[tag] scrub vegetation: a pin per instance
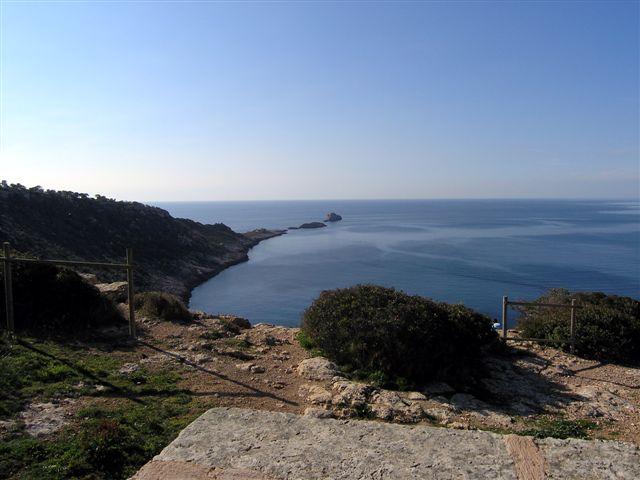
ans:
(607, 326)
(397, 339)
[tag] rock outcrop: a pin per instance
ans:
(333, 217)
(250, 444)
(116, 291)
(313, 225)
(318, 368)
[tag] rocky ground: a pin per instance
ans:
(264, 367)
(223, 361)
(226, 363)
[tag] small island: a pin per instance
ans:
(313, 225)
(333, 217)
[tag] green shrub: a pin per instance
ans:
(607, 327)
(52, 299)
(560, 428)
(162, 305)
(377, 332)
(305, 341)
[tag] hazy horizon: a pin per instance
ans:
(170, 101)
(275, 200)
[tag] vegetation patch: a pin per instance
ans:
(102, 443)
(607, 326)
(560, 428)
(125, 423)
(162, 305)
(398, 339)
(239, 343)
(56, 300)
(212, 335)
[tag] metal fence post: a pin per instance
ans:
(505, 303)
(572, 325)
(8, 287)
(130, 294)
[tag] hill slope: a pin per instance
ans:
(171, 254)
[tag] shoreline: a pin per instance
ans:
(254, 236)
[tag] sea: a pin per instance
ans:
(459, 251)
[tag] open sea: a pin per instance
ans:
(469, 251)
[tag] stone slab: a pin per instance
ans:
(284, 446)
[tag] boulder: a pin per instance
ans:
(318, 368)
(351, 394)
(90, 278)
(116, 291)
(388, 405)
(315, 394)
(245, 367)
(332, 217)
(415, 396)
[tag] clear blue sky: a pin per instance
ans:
(229, 101)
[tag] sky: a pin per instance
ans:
(155, 101)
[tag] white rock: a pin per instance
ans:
(318, 368)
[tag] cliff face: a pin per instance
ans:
(170, 254)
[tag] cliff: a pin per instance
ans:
(170, 254)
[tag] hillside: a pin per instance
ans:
(171, 254)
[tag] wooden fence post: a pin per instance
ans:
(8, 287)
(572, 326)
(130, 294)
(505, 303)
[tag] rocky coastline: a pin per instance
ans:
(170, 254)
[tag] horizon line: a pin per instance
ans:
(637, 199)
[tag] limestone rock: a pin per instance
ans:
(128, 368)
(318, 368)
(315, 394)
(416, 396)
(245, 367)
(116, 291)
(201, 358)
(333, 217)
(351, 394)
(262, 441)
(314, 412)
(388, 405)
(42, 419)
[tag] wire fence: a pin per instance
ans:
(8, 260)
(506, 303)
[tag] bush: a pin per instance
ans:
(52, 299)
(399, 339)
(607, 327)
(162, 305)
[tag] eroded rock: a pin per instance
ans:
(315, 394)
(116, 291)
(318, 369)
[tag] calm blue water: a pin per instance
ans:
(469, 251)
